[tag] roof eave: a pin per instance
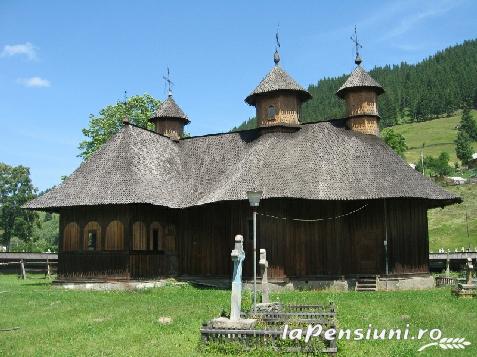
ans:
(342, 91)
(303, 94)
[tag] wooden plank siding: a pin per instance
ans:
(197, 241)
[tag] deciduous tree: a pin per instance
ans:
(16, 189)
(138, 109)
(396, 141)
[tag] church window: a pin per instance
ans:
(92, 236)
(71, 235)
(114, 236)
(139, 236)
(271, 112)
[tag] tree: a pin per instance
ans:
(396, 141)
(138, 109)
(468, 124)
(463, 147)
(436, 166)
(16, 189)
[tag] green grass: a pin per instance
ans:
(438, 135)
(447, 226)
(55, 322)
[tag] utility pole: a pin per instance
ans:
(422, 158)
(467, 226)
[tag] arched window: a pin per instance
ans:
(169, 241)
(114, 239)
(92, 236)
(155, 242)
(271, 112)
(71, 235)
(139, 236)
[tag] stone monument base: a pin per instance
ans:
(225, 323)
(268, 307)
(465, 290)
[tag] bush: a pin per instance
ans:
(436, 166)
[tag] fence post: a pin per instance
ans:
(48, 269)
(22, 267)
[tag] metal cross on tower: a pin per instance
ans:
(168, 82)
(126, 118)
(276, 56)
(357, 45)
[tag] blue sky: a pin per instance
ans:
(62, 60)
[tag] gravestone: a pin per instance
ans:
(266, 306)
(468, 289)
(447, 264)
(235, 321)
(264, 271)
(238, 256)
(469, 271)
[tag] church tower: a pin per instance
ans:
(360, 92)
(169, 119)
(278, 98)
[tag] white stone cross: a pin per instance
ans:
(264, 271)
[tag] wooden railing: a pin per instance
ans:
(93, 264)
(445, 280)
(144, 264)
(116, 264)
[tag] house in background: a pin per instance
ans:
(337, 203)
(473, 162)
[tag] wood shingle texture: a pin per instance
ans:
(277, 80)
(359, 78)
(169, 109)
(320, 161)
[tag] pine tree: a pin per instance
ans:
(468, 124)
(463, 147)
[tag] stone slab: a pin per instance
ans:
(225, 323)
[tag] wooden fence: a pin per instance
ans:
(28, 263)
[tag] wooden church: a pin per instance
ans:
(337, 201)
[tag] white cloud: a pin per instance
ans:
(34, 82)
(26, 49)
(416, 17)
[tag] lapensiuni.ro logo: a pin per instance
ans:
(372, 333)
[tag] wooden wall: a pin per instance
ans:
(123, 246)
(347, 246)
(197, 241)
(287, 109)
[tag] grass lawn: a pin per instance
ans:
(438, 135)
(447, 226)
(66, 323)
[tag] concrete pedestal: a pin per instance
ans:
(227, 324)
(465, 290)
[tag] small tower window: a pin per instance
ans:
(91, 240)
(271, 111)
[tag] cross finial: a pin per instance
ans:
(169, 82)
(276, 56)
(125, 119)
(357, 45)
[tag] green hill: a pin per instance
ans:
(437, 135)
(448, 227)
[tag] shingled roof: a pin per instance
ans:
(321, 161)
(277, 80)
(359, 78)
(169, 109)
